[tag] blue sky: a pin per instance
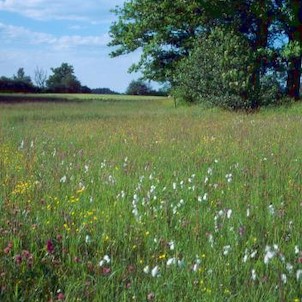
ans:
(47, 33)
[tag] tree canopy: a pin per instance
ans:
(166, 33)
(63, 80)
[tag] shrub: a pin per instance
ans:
(217, 71)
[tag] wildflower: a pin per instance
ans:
(229, 177)
(63, 179)
(283, 278)
(195, 267)
(205, 197)
(61, 296)
(229, 213)
(254, 275)
(146, 269)
(299, 274)
(289, 267)
(271, 209)
(297, 251)
(155, 271)
(18, 259)
(171, 245)
(150, 296)
(87, 239)
(269, 254)
(171, 261)
(105, 260)
(226, 250)
(50, 247)
(106, 271)
(21, 145)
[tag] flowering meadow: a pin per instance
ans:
(140, 201)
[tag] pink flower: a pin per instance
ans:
(50, 247)
(61, 296)
(106, 271)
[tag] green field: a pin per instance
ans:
(131, 199)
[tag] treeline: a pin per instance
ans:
(231, 53)
(62, 80)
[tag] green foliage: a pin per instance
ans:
(63, 80)
(270, 91)
(138, 87)
(166, 32)
(22, 77)
(217, 71)
(163, 30)
(18, 83)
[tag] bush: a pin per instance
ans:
(270, 91)
(217, 71)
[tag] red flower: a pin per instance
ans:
(50, 247)
(61, 297)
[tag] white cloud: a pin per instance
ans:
(13, 34)
(79, 10)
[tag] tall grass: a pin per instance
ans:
(139, 201)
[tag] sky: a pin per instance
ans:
(44, 34)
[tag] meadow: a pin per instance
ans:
(132, 199)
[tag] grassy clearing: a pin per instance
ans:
(139, 201)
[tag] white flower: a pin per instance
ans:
(86, 168)
(254, 275)
(248, 212)
(211, 240)
(87, 239)
(155, 271)
(106, 258)
(171, 261)
(245, 258)
(63, 179)
(253, 254)
(226, 250)
(297, 251)
(271, 209)
(174, 185)
(283, 278)
(289, 267)
(229, 177)
(299, 274)
(199, 198)
(269, 254)
(229, 213)
(146, 269)
(171, 245)
(21, 145)
(195, 267)
(210, 171)
(205, 197)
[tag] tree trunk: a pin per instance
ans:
(294, 63)
(294, 78)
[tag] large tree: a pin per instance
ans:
(63, 80)
(165, 32)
